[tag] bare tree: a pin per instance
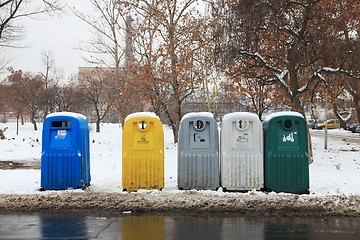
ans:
(286, 38)
(97, 86)
(51, 81)
(11, 30)
(160, 41)
(107, 48)
(296, 41)
(107, 30)
(167, 38)
(68, 97)
(3, 102)
(7, 104)
(12, 10)
(26, 91)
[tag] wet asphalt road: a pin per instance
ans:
(160, 227)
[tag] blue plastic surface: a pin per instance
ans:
(65, 159)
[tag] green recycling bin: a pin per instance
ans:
(286, 162)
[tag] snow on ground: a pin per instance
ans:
(335, 171)
(334, 176)
(105, 154)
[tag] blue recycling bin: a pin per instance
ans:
(65, 159)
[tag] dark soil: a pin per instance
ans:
(8, 165)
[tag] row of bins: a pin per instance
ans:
(65, 158)
(248, 154)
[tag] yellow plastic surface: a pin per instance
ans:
(143, 227)
(143, 154)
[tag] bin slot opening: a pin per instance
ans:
(199, 125)
(288, 124)
(243, 124)
(142, 125)
(56, 124)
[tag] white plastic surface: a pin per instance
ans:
(241, 147)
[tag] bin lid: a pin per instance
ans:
(235, 115)
(66, 114)
(141, 114)
(280, 114)
(197, 114)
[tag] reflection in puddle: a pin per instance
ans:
(143, 227)
(54, 226)
(177, 227)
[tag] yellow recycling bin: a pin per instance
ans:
(142, 152)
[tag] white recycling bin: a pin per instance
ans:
(241, 147)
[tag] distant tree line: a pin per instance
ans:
(162, 53)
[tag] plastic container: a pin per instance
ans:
(242, 160)
(286, 158)
(65, 159)
(198, 152)
(142, 152)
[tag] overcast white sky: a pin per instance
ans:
(60, 35)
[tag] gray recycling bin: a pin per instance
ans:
(198, 152)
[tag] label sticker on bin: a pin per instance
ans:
(199, 134)
(60, 138)
(143, 136)
(288, 140)
(61, 134)
(242, 135)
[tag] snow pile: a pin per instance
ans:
(185, 202)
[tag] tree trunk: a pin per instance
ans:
(297, 103)
(174, 126)
(33, 121)
(356, 101)
(298, 107)
(336, 112)
(98, 124)
(17, 123)
(176, 133)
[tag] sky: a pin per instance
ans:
(59, 34)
